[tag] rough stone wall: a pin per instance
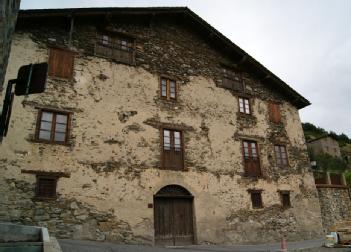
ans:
(113, 157)
(335, 205)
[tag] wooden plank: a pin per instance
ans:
(274, 112)
(164, 221)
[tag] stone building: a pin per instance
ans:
(154, 129)
(325, 145)
(8, 16)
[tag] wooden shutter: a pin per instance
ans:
(274, 112)
(238, 86)
(61, 63)
(232, 84)
(227, 83)
(256, 199)
(335, 179)
(46, 187)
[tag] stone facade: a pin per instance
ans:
(325, 145)
(8, 16)
(113, 155)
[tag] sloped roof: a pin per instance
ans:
(244, 59)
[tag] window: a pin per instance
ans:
(320, 178)
(335, 179)
(116, 47)
(61, 63)
(232, 81)
(244, 106)
(274, 112)
(280, 155)
(256, 199)
(46, 186)
(285, 199)
(251, 159)
(53, 127)
(168, 89)
(172, 149)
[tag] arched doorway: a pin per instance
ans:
(173, 216)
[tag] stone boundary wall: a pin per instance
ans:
(335, 205)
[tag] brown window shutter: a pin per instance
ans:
(53, 62)
(46, 187)
(61, 63)
(274, 112)
(67, 64)
(335, 179)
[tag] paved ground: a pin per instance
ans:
(92, 246)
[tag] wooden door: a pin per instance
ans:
(183, 221)
(173, 221)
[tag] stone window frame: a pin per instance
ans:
(283, 193)
(256, 203)
(46, 175)
(276, 157)
(168, 80)
(55, 112)
(172, 127)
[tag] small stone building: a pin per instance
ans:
(325, 145)
(155, 129)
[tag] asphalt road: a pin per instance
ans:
(92, 246)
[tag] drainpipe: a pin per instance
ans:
(70, 31)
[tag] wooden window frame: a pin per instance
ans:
(249, 102)
(283, 203)
(168, 89)
(247, 173)
(274, 112)
(52, 131)
(163, 166)
(55, 73)
(113, 46)
(256, 204)
(38, 194)
(280, 155)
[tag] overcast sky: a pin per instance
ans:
(307, 43)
